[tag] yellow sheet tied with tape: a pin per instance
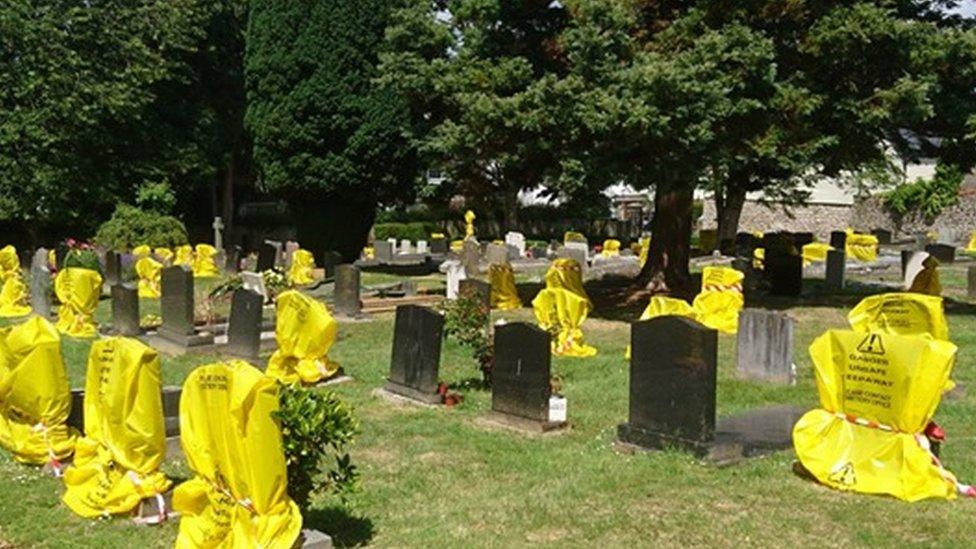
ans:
(302, 265)
(877, 394)
(815, 252)
(78, 290)
(862, 247)
(9, 262)
(660, 305)
(566, 274)
(184, 256)
(238, 497)
(204, 265)
(117, 462)
(611, 248)
(35, 398)
(14, 299)
(971, 246)
(562, 312)
(305, 331)
(143, 250)
(573, 236)
(900, 313)
(721, 299)
(149, 272)
(165, 255)
(504, 292)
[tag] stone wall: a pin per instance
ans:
(819, 219)
(954, 224)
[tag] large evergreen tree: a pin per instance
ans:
(327, 137)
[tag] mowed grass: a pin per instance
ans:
(441, 477)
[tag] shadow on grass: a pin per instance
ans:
(346, 530)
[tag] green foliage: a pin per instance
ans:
(316, 427)
(927, 196)
(83, 258)
(467, 320)
(156, 197)
(131, 226)
(409, 231)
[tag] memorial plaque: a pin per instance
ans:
(521, 375)
(347, 290)
(244, 325)
(836, 264)
(672, 383)
(943, 252)
(765, 346)
(415, 362)
(125, 310)
(176, 302)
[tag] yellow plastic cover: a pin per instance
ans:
(877, 394)
(14, 299)
(645, 250)
(238, 497)
(815, 252)
(164, 254)
(660, 305)
(927, 280)
(862, 247)
(204, 265)
(900, 313)
(142, 250)
(469, 218)
(184, 256)
(719, 303)
(611, 248)
(720, 279)
(759, 258)
(9, 262)
(573, 236)
(971, 247)
(149, 272)
(78, 290)
(566, 274)
(504, 293)
(562, 312)
(305, 332)
(117, 462)
(302, 265)
(35, 399)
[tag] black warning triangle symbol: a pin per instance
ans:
(872, 345)
(844, 475)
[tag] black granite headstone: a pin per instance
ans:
(176, 302)
(520, 377)
(125, 310)
(113, 268)
(330, 260)
(802, 239)
(244, 326)
(836, 263)
(439, 246)
(267, 257)
(745, 244)
(347, 290)
(673, 370)
(942, 252)
(883, 236)
(415, 362)
(784, 271)
(479, 288)
(233, 262)
(838, 240)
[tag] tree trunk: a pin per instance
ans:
(728, 210)
(227, 207)
(666, 269)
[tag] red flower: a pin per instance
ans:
(935, 432)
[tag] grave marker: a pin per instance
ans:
(244, 325)
(439, 246)
(113, 268)
(347, 290)
(382, 251)
(125, 310)
(40, 287)
(784, 271)
(521, 387)
(765, 346)
(415, 362)
(267, 257)
(470, 258)
(883, 236)
(945, 253)
(177, 309)
(834, 276)
(330, 260)
(497, 254)
(838, 240)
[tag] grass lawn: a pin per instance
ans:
(438, 477)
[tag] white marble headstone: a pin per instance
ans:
(914, 267)
(254, 282)
(455, 274)
(421, 246)
(405, 247)
(517, 240)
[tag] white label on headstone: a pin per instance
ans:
(557, 409)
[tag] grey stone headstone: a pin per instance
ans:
(765, 345)
(244, 325)
(439, 246)
(945, 253)
(836, 263)
(520, 377)
(971, 279)
(838, 240)
(176, 302)
(921, 240)
(539, 252)
(497, 254)
(784, 271)
(330, 260)
(673, 369)
(479, 288)
(415, 362)
(883, 236)
(233, 262)
(513, 252)
(290, 248)
(113, 268)
(906, 257)
(125, 310)
(267, 257)
(347, 290)
(913, 267)
(382, 250)
(470, 258)
(574, 252)
(40, 286)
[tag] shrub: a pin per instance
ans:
(83, 258)
(156, 197)
(466, 319)
(316, 427)
(131, 226)
(405, 231)
(928, 197)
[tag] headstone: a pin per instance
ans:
(539, 252)
(784, 271)
(745, 245)
(233, 262)
(409, 287)
(415, 362)
(921, 240)
(913, 267)
(497, 254)
(255, 283)
(765, 346)
(906, 256)
(267, 257)
(405, 247)
(125, 310)
(176, 302)
(479, 288)
(279, 252)
(439, 246)
(574, 252)
(520, 377)
(290, 248)
(838, 240)
(802, 239)
(942, 252)
(382, 251)
(113, 268)
(40, 287)
(971, 278)
(347, 300)
(883, 236)
(455, 274)
(517, 240)
(836, 260)
(673, 370)
(470, 258)
(513, 252)
(579, 248)
(422, 247)
(244, 325)
(218, 236)
(330, 260)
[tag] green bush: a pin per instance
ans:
(467, 320)
(156, 197)
(316, 427)
(84, 259)
(928, 197)
(131, 226)
(405, 231)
